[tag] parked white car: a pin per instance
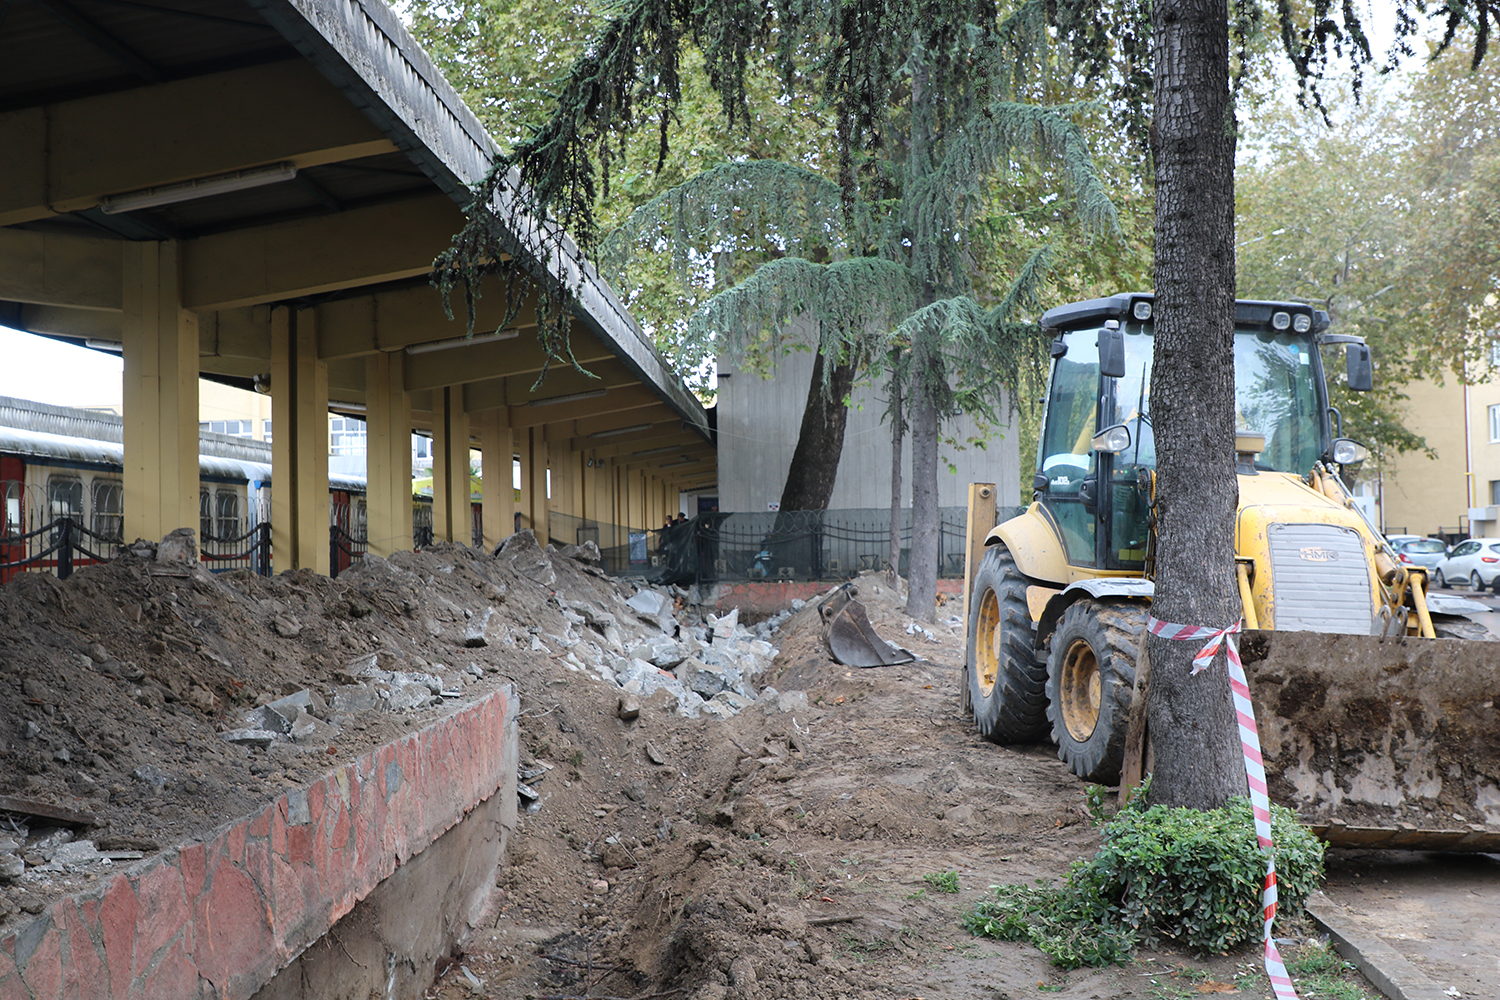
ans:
(1476, 561)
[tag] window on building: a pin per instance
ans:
(227, 513)
(65, 498)
(421, 447)
(1495, 352)
(205, 516)
(1495, 423)
(347, 436)
(234, 428)
(107, 519)
(1495, 491)
(265, 426)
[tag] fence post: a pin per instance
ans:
(263, 547)
(65, 549)
(333, 550)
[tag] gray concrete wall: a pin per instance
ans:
(391, 943)
(758, 423)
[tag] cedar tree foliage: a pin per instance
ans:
(921, 94)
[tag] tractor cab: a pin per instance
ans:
(1097, 452)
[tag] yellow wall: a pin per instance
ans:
(1424, 495)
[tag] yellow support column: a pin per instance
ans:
(299, 443)
(452, 513)
(160, 394)
(497, 462)
(388, 467)
(534, 464)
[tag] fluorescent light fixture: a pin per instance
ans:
(203, 187)
(334, 404)
(105, 345)
(570, 398)
(636, 429)
(452, 342)
(656, 451)
(685, 461)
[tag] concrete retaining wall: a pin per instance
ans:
(219, 918)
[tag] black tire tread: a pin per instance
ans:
(1016, 709)
(1113, 630)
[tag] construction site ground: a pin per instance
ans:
(789, 850)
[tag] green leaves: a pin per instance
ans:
(1189, 875)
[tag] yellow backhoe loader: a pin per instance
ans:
(1376, 730)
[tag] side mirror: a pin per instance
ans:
(1040, 482)
(1112, 352)
(1358, 367)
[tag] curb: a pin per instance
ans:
(1386, 969)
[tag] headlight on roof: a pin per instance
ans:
(1281, 320)
(1141, 310)
(1301, 322)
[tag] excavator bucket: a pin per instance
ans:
(851, 638)
(1389, 743)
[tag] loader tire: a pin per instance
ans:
(1090, 674)
(1004, 680)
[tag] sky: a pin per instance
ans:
(47, 371)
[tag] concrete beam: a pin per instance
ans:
(523, 356)
(288, 260)
(72, 271)
(177, 131)
(669, 439)
(618, 400)
(562, 387)
(402, 317)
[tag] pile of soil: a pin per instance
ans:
(788, 851)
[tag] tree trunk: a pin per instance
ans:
(921, 582)
(1192, 723)
(898, 432)
(820, 442)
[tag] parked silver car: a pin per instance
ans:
(1476, 561)
(1424, 552)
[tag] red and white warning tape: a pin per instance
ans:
(1255, 768)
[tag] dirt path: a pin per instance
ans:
(787, 854)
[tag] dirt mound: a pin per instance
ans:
(776, 837)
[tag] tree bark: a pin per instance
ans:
(820, 441)
(921, 583)
(898, 432)
(1191, 720)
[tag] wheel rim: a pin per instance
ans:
(1474, 582)
(987, 643)
(1079, 689)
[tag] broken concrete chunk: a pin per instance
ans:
(706, 679)
(286, 626)
(249, 737)
(654, 755)
(649, 603)
(661, 651)
(77, 853)
(310, 729)
(723, 627)
(629, 708)
(294, 704)
(180, 546)
(474, 635)
(352, 699)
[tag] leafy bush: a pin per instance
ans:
(1189, 875)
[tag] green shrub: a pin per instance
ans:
(1188, 875)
